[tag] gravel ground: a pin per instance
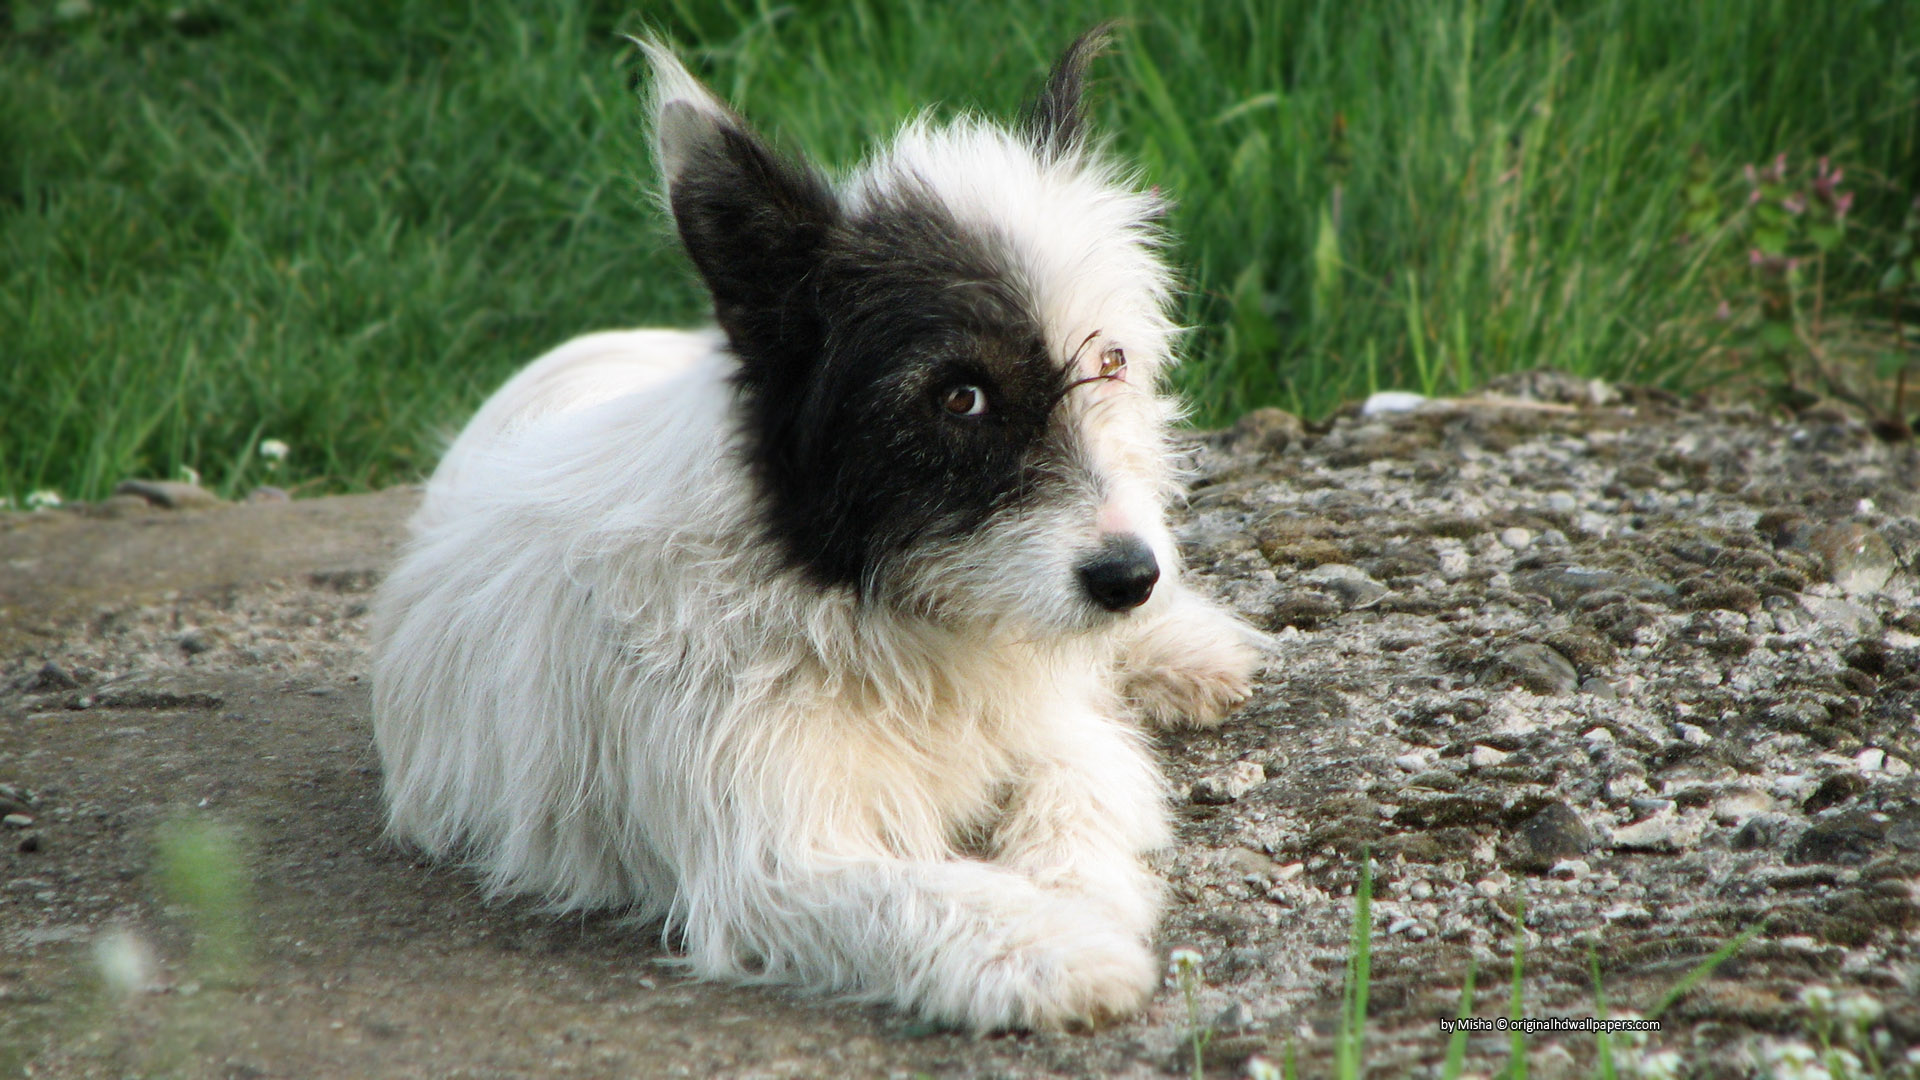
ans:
(1649, 669)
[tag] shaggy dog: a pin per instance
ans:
(824, 637)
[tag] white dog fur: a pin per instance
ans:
(607, 674)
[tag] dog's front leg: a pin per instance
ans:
(1090, 805)
(961, 942)
(1186, 660)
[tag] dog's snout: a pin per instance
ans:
(1121, 575)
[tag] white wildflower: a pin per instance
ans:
(1259, 1068)
(273, 451)
(1818, 999)
(1660, 1065)
(1185, 961)
(44, 499)
(190, 474)
(1858, 1010)
(125, 962)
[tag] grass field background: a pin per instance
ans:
(339, 224)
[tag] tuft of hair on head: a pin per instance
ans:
(1056, 122)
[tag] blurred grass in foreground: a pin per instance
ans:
(339, 224)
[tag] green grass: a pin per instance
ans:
(339, 224)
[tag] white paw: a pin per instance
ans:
(1196, 681)
(1071, 972)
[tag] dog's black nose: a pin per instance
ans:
(1121, 574)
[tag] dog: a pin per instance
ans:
(826, 637)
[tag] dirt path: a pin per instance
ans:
(1656, 671)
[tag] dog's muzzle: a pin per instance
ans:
(1121, 575)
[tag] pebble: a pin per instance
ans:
(1269, 431)
(1392, 401)
(17, 821)
(1871, 759)
(1553, 834)
(1664, 831)
(1570, 870)
(1735, 806)
(1536, 667)
(1486, 756)
(1354, 587)
(172, 494)
(1595, 686)
(1221, 788)
(1854, 619)
(1859, 560)
(1517, 538)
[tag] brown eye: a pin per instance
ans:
(964, 401)
(1113, 363)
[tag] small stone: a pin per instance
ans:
(17, 821)
(1225, 787)
(1420, 890)
(1351, 585)
(1666, 831)
(1561, 502)
(194, 642)
(1536, 667)
(1692, 734)
(1598, 737)
(1454, 563)
(1761, 832)
(172, 494)
(1493, 885)
(1859, 559)
(29, 843)
(1848, 839)
(1392, 401)
(1483, 757)
(115, 507)
(267, 493)
(1834, 790)
(1555, 833)
(1855, 619)
(1268, 431)
(1570, 870)
(1402, 925)
(1872, 759)
(1596, 686)
(51, 677)
(1516, 538)
(1735, 806)
(1412, 763)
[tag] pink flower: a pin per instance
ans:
(1842, 203)
(1794, 204)
(1724, 312)
(1753, 178)
(1753, 196)
(1755, 257)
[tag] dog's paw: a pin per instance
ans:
(1073, 973)
(1190, 671)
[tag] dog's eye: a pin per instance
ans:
(964, 401)
(1113, 363)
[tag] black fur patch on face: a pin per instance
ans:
(895, 384)
(875, 453)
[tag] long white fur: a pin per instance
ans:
(597, 682)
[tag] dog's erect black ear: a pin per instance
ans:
(1056, 121)
(752, 221)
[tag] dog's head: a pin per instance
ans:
(949, 362)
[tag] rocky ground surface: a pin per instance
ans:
(1597, 673)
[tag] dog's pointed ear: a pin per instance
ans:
(1056, 121)
(752, 221)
